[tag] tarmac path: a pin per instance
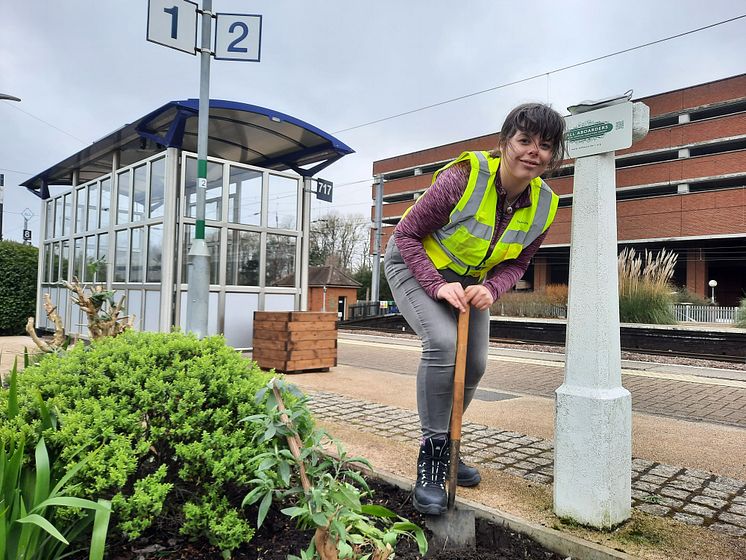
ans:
(679, 394)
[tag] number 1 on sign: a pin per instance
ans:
(173, 11)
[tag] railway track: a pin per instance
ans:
(718, 344)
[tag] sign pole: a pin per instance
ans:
(593, 421)
(2, 196)
(199, 267)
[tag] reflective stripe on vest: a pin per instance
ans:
(463, 244)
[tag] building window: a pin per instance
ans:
(67, 209)
(157, 186)
(123, 197)
(242, 268)
(102, 261)
(136, 255)
(120, 256)
(80, 210)
(93, 206)
(91, 258)
(155, 251)
(214, 191)
(49, 208)
(212, 238)
(283, 202)
(105, 202)
(139, 192)
(245, 196)
(58, 217)
(65, 260)
(78, 258)
(280, 260)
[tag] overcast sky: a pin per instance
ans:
(83, 69)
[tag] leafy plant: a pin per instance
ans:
(684, 295)
(30, 498)
(322, 487)
(164, 410)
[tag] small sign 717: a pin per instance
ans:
(324, 190)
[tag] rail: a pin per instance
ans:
(684, 312)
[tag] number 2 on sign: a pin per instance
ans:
(173, 11)
(244, 30)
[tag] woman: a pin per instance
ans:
(467, 240)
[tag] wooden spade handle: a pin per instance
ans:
(457, 410)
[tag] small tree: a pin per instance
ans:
(104, 315)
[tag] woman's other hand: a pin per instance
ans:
(454, 294)
(478, 296)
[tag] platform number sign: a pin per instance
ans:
(238, 37)
(324, 190)
(173, 23)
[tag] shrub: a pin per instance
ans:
(645, 287)
(683, 295)
(165, 411)
(31, 496)
(741, 314)
(18, 264)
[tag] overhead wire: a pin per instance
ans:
(542, 74)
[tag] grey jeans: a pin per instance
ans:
(435, 322)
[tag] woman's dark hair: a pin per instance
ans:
(540, 119)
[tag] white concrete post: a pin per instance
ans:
(593, 431)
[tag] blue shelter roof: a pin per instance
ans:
(237, 132)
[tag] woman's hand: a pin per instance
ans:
(478, 296)
(454, 294)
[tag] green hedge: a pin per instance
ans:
(18, 264)
(164, 410)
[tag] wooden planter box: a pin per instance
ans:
(295, 341)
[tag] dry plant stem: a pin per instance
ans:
(325, 545)
(43, 346)
(59, 329)
(293, 441)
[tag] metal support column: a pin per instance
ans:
(376, 272)
(199, 266)
(305, 243)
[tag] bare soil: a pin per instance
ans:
(279, 537)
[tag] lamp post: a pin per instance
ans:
(6, 97)
(712, 284)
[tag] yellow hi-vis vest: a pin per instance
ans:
(463, 244)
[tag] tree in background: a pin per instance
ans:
(364, 275)
(18, 267)
(341, 238)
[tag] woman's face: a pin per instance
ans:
(526, 156)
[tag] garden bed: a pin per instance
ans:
(278, 537)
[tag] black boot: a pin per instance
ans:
(467, 476)
(432, 470)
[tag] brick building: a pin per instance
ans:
(683, 187)
(329, 289)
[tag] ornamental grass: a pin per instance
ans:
(645, 286)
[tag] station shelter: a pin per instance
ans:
(125, 218)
